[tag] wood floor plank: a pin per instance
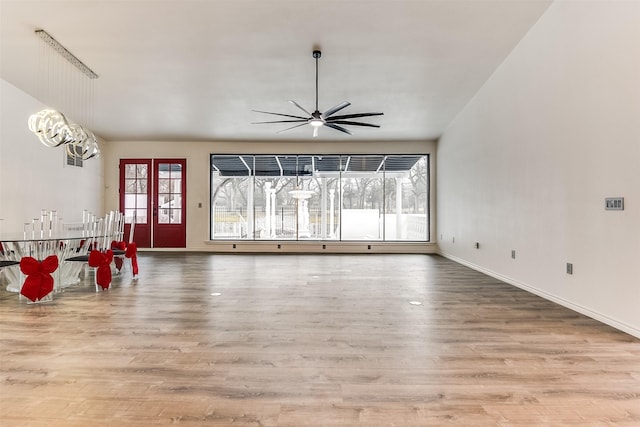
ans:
(310, 340)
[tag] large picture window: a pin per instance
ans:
(320, 197)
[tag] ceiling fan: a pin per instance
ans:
(326, 118)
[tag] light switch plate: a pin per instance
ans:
(614, 203)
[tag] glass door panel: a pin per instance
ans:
(169, 229)
(135, 200)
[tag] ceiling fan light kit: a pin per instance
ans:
(318, 119)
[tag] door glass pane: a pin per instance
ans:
(163, 185)
(142, 171)
(130, 186)
(163, 215)
(175, 216)
(129, 213)
(176, 186)
(129, 200)
(129, 171)
(141, 216)
(164, 208)
(141, 200)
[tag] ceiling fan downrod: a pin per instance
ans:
(317, 54)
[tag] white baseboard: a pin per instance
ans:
(316, 247)
(551, 297)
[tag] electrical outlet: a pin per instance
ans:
(569, 268)
(477, 245)
(513, 254)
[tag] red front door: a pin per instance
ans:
(152, 191)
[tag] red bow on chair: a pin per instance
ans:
(131, 252)
(103, 262)
(121, 246)
(39, 282)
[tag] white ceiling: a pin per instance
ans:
(194, 70)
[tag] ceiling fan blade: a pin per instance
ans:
(282, 121)
(292, 127)
(348, 122)
(335, 109)
(300, 107)
(336, 127)
(315, 131)
(280, 114)
(353, 116)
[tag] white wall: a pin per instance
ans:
(198, 179)
(35, 177)
(527, 164)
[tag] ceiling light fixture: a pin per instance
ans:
(50, 125)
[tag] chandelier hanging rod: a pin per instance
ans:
(66, 54)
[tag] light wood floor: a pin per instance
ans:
(310, 340)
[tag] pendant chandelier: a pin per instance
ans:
(67, 79)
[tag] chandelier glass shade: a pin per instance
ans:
(83, 144)
(51, 127)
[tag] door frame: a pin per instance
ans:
(145, 234)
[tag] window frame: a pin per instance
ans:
(288, 168)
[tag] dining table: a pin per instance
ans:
(64, 244)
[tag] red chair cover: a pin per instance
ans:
(120, 246)
(39, 282)
(132, 252)
(103, 262)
